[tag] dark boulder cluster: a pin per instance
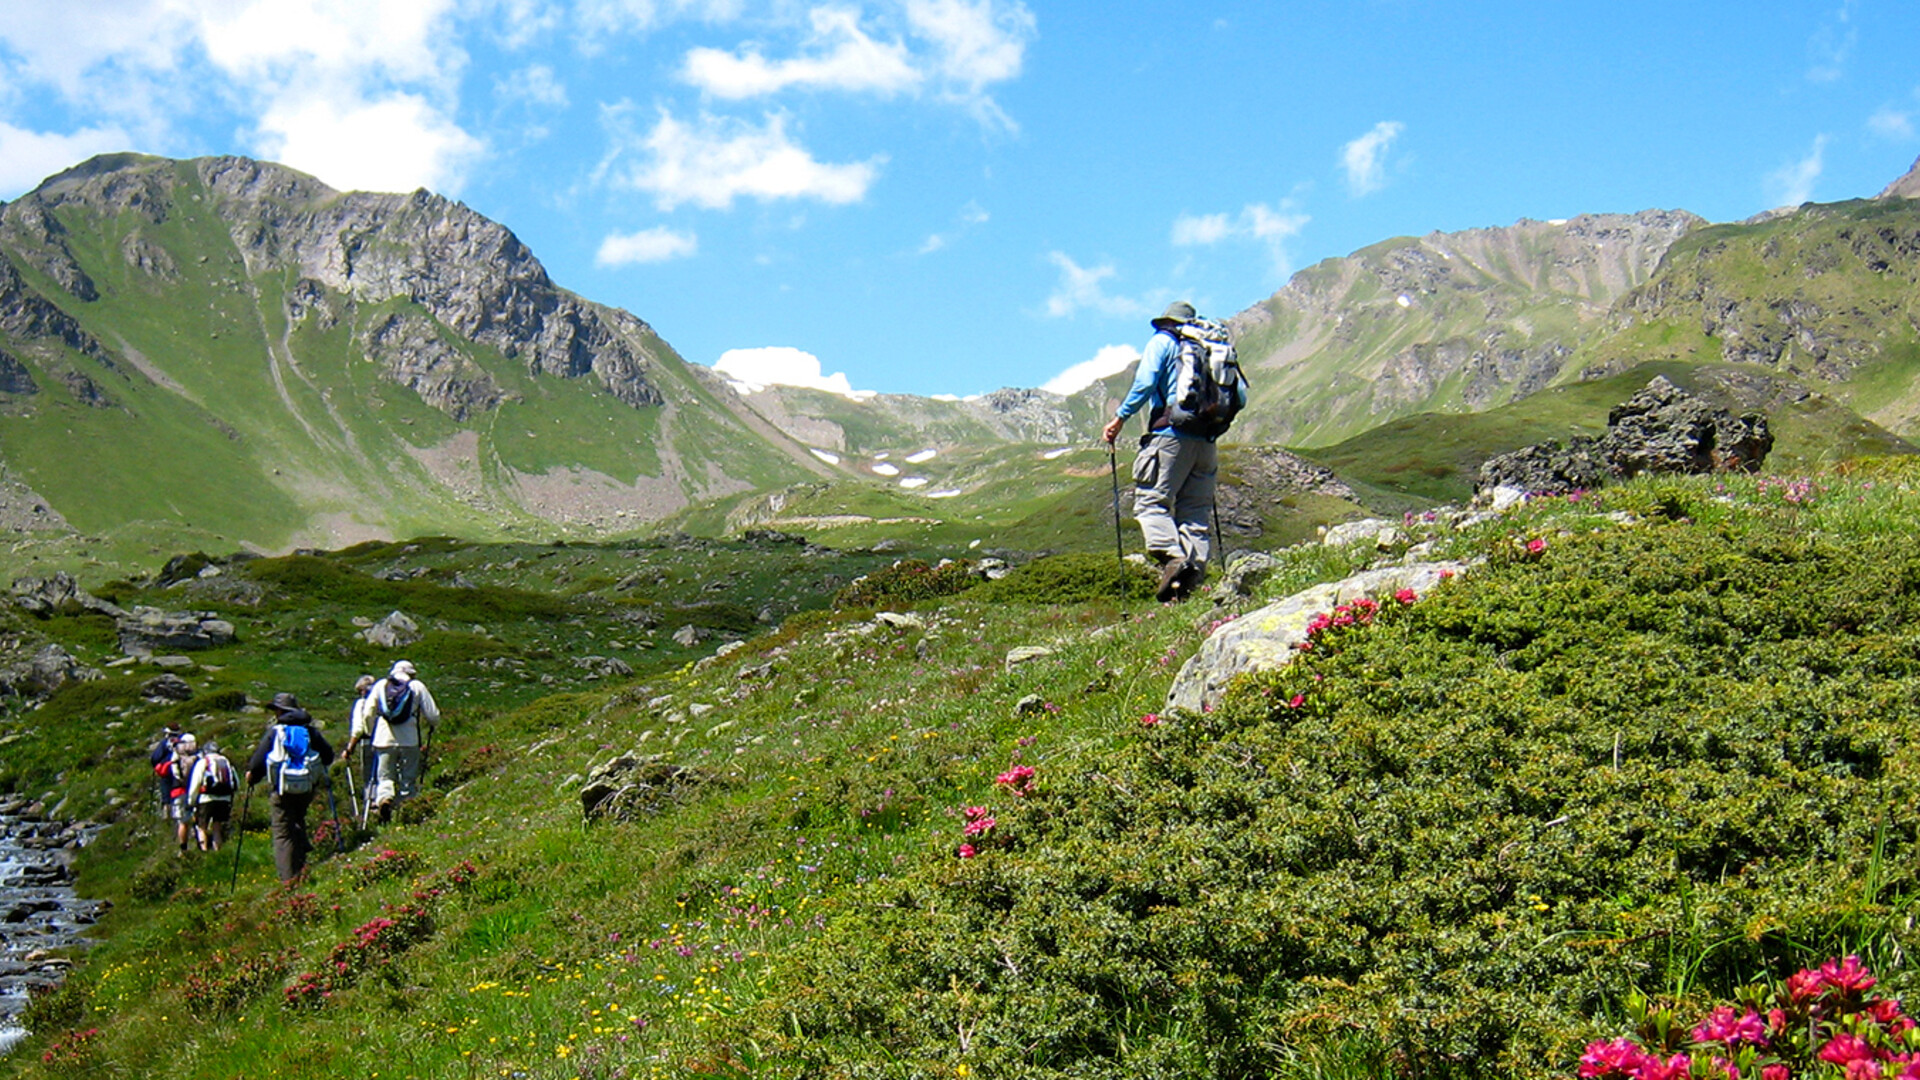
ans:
(1661, 429)
(632, 785)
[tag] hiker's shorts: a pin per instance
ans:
(210, 813)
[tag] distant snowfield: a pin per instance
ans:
(885, 469)
(944, 493)
(1051, 454)
(831, 459)
(913, 482)
(922, 457)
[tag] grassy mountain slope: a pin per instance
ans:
(1447, 322)
(232, 348)
(1663, 758)
(1829, 294)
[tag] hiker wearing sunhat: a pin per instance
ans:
(1174, 472)
(210, 794)
(293, 756)
(399, 707)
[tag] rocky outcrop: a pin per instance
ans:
(15, 379)
(1266, 639)
(145, 631)
(1661, 429)
(1907, 187)
(631, 786)
(50, 668)
(396, 631)
(410, 352)
(58, 593)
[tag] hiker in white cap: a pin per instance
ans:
(399, 706)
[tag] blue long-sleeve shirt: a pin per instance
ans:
(1150, 379)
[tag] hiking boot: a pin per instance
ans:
(1191, 578)
(1172, 577)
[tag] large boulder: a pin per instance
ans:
(50, 669)
(60, 592)
(145, 631)
(1661, 429)
(396, 631)
(1265, 639)
(633, 785)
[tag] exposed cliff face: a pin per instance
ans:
(1907, 187)
(1465, 320)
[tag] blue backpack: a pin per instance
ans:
(396, 702)
(289, 762)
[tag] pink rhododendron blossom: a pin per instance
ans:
(1726, 1026)
(1775, 1072)
(1150, 719)
(1849, 976)
(1018, 780)
(1846, 1047)
(980, 826)
(1406, 596)
(1536, 545)
(1296, 701)
(1678, 1067)
(1606, 1060)
(1804, 986)
(966, 851)
(1886, 1012)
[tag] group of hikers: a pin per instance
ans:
(197, 784)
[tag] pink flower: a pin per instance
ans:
(966, 851)
(1886, 1012)
(1804, 986)
(979, 826)
(1848, 976)
(1610, 1060)
(1775, 1072)
(1726, 1026)
(1860, 1069)
(1406, 596)
(1678, 1067)
(1536, 545)
(1150, 719)
(1018, 780)
(1847, 1047)
(1296, 701)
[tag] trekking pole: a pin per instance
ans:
(1113, 474)
(333, 814)
(352, 792)
(240, 838)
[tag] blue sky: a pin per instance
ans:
(949, 196)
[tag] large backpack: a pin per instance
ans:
(289, 764)
(1208, 387)
(220, 779)
(395, 702)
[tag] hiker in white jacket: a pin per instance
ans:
(391, 716)
(210, 794)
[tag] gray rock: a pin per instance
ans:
(396, 631)
(60, 592)
(631, 786)
(168, 687)
(1031, 705)
(51, 668)
(1376, 531)
(689, 635)
(145, 630)
(900, 620)
(1021, 655)
(1245, 571)
(1264, 639)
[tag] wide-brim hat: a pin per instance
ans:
(1177, 312)
(283, 702)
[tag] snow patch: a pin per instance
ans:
(913, 481)
(944, 493)
(922, 457)
(1060, 453)
(885, 469)
(831, 459)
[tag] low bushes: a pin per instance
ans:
(1459, 829)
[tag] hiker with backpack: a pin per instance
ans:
(174, 773)
(1190, 381)
(292, 756)
(160, 752)
(397, 708)
(210, 793)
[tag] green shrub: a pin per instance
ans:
(1073, 578)
(1658, 760)
(906, 582)
(156, 881)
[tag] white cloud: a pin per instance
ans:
(28, 157)
(972, 216)
(1258, 222)
(1080, 288)
(658, 244)
(1831, 45)
(756, 369)
(305, 75)
(598, 17)
(844, 58)
(1791, 185)
(1364, 158)
(396, 144)
(1892, 124)
(716, 160)
(1110, 360)
(976, 43)
(534, 84)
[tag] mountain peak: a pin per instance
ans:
(1907, 187)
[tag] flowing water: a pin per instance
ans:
(42, 921)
